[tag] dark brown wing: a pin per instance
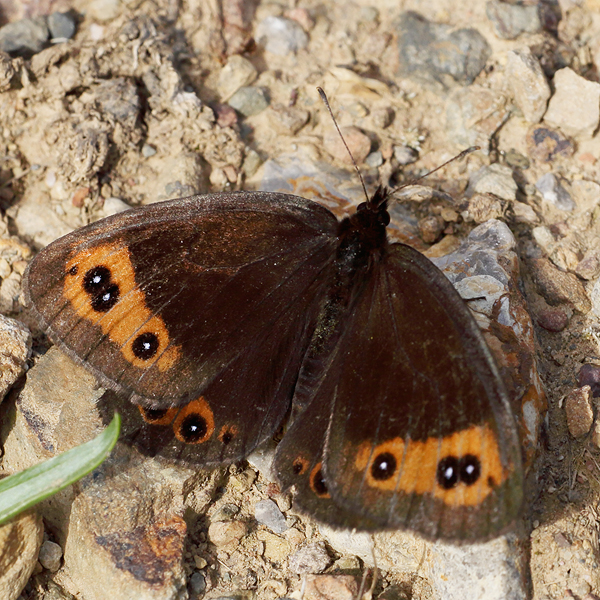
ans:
(205, 303)
(299, 465)
(421, 435)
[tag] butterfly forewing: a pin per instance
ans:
(159, 300)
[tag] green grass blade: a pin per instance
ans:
(21, 491)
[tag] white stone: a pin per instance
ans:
(575, 106)
(281, 36)
(528, 84)
(237, 73)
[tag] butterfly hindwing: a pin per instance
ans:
(421, 432)
(298, 465)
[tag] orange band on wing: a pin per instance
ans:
(415, 467)
(128, 320)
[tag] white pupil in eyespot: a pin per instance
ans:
(448, 473)
(97, 279)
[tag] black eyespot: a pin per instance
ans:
(297, 467)
(73, 270)
(145, 345)
(384, 466)
(226, 437)
(154, 414)
(469, 469)
(318, 484)
(448, 472)
(106, 299)
(193, 428)
(96, 279)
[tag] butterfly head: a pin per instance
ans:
(372, 216)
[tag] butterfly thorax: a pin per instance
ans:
(362, 236)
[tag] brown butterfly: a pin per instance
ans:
(217, 314)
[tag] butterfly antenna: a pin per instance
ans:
(368, 595)
(457, 157)
(361, 589)
(326, 103)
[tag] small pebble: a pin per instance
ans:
(589, 266)
(79, 196)
(113, 205)
(589, 375)
(496, 179)
(358, 143)
(528, 83)
(50, 556)
(288, 120)
(375, 159)
(579, 411)
(575, 106)
(96, 32)
(226, 533)
(280, 36)
(5, 268)
(474, 114)
(510, 20)
(405, 155)
(559, 287)
(326, 587)
(552, 319)
(554, 193)
(237, 73)
(226, 115)
(546, 145)
(148, 150)
(347, 563)
(198, 582)
(312, 558)
(62, 26)
(430, 229)
(544, 238)
(103, 10)
(226, 512)
(438, 53)
(267, 513)
(50, 178)
(218, 178)
(516, 159)
(249, 101)
(382, 117)
(251, 163)
(482, 208)
(25, 37)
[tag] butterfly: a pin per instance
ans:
(222, 315)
